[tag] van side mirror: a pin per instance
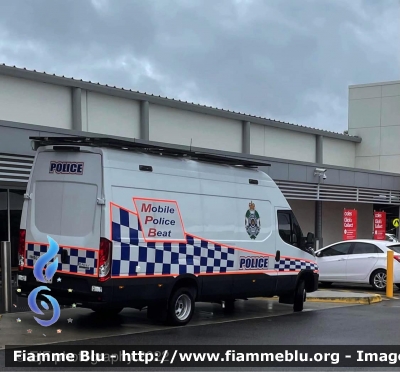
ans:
(294, 239)
(318, 254)
(310, 238)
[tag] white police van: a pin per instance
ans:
(139, 225)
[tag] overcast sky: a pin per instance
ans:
(289, 60)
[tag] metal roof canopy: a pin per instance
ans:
(151, 148)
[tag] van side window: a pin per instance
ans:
(285, 230)
(289, 229)
(297, 231)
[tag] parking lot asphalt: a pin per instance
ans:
(20, 304)
(254, 322)
(82, 324)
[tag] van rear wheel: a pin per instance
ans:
(181, 306)
(229, 306)
(299, 297)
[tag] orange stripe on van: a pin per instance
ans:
(125, 209)
(199, 274)
(274, 272)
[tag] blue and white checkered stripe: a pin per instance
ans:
(288, 264)
(133, 258)
(79, 261)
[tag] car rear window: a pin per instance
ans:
(395, 248)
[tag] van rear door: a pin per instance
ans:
(64, 189)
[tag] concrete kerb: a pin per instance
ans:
(344, 297)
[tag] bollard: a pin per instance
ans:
(6, 286)
(389, 273)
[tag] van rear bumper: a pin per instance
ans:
(68, 289)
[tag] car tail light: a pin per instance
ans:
(21, 249)
(105, 254)
(397, 258)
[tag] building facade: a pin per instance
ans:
(320, 172)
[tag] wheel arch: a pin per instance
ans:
(186, 280)
(309, 278)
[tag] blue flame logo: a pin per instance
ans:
(38, 273)
(43, 260)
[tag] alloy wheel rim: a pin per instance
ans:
(380, 280)
(183, 306)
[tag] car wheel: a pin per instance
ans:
(299, 297)
(181, 306)
(378, 280)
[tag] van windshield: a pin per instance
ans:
(65, 208)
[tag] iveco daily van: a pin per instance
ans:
(159, 228)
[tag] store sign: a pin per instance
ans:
(379, 225)
(349, 224)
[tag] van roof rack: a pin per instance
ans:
(214, 156)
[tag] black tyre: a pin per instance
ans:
(229, 306)
(325, 284)
(299, 297)
(181, 306)
(378, 280)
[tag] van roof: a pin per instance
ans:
(213, 156)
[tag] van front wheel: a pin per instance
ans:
(181, 307)
(299, 297)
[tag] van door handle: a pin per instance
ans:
(64, 256)
(278, 256)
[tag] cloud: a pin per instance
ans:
(284, 59)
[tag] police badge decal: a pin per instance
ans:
(252, 221)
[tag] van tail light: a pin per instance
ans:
(397, 258)
(21, 249)
(105, 254)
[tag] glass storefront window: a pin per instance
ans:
(3, 216)
(16, 199)
(11, 202)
